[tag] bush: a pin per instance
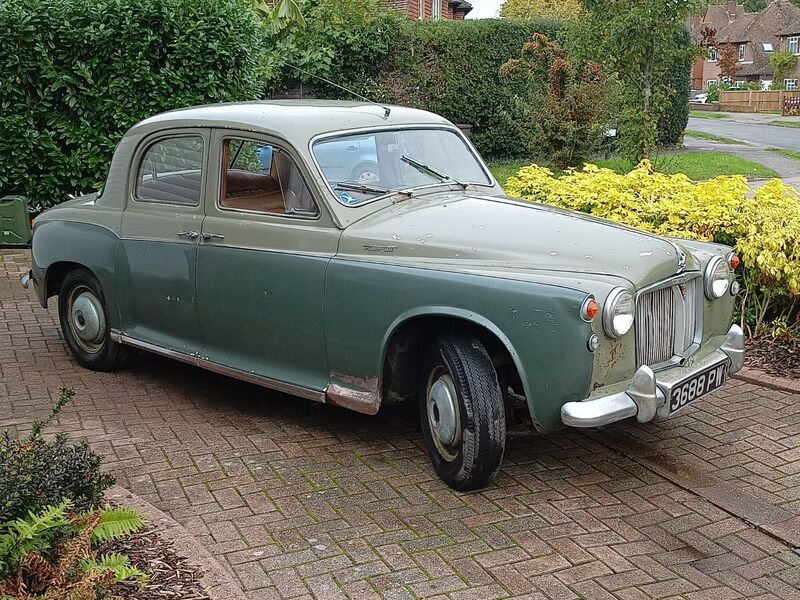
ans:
(451, 68)
(764, 229)
(35, 473)
(564, 101)
(78, 73)
(673, 122)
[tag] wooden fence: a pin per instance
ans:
(755, 101)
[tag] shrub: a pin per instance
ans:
(677, 80)
(52, 552)
(563, 102)
(764, 228)
(78, 73)
(35, 473)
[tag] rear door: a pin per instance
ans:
(265, 246)
(161, 227)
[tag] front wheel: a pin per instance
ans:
(84, 322)
(462, 412)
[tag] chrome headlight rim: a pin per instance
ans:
(709, 278)
(609, 312)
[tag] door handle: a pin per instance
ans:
(192, 235)
(212, 236)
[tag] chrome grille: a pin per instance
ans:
(666, 322)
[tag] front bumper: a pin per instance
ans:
(646, 396)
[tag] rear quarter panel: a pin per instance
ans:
(365, 301)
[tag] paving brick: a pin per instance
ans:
(302, 500)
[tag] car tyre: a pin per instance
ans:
(84, 322)
(462, 412)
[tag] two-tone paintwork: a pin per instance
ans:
(310, 305)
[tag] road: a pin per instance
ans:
(762, 135)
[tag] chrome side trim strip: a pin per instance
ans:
(278, 386)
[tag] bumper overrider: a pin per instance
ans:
(647, 394)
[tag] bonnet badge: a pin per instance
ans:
(681, 260)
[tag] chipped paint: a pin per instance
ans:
(354, 393)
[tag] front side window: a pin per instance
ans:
(259, 177)
(793, 45)
(364, 166)
(171, 171)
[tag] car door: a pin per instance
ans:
(156, 259)
(265, 245)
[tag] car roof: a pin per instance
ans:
(292, 119)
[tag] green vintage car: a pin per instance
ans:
(355, 254)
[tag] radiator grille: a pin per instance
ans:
(666, 320)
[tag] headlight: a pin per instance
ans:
(618, 313)
(716, 278)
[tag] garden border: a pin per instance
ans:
(764, 379)
(217, 581)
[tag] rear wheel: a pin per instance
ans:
(462, 412)
(84, 322)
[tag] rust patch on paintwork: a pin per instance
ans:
(354, 393)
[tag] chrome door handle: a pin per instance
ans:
(192, 235)
(211, 236)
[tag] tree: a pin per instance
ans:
(728, 59)
(783, 64)
(640, 41)
(554, 9)
(563, 102)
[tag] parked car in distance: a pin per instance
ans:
(242, 239)
(700, 98)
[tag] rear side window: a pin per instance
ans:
(171, 171)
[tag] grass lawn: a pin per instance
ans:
(795, 154)
(710, 137)
(783, 123)
(696, 165)
(701, 114)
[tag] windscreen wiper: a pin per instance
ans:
(429, 170)
(361, 187)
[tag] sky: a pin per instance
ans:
(482, 9)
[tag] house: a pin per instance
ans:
(790, 40)
(432, 9)
(755, 36)
(716, 18)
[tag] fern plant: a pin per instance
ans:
(50, 555)
(116, 523)
(116, 563)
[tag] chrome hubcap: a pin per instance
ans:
(442, 403)
(87, 320)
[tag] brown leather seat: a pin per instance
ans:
(252, 191)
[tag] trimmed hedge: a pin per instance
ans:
(673, 122)
(77, 73)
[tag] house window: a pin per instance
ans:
(741, 51)
(790, 84)
(793, 44)
(436, 9)
(711, 83)
(713, 55)
(739, 83)
(768, 47)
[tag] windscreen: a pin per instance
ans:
(364, 166)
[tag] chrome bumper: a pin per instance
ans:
(646, 396)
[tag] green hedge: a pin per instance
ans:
(77, 73)
(673, 123)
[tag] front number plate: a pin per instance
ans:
(696, 386)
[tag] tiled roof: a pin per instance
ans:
(792, 29)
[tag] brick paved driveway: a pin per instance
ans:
(300, 499)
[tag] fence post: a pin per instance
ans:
(781, 104)
(750, 98)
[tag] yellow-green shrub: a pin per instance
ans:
(764, 227)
